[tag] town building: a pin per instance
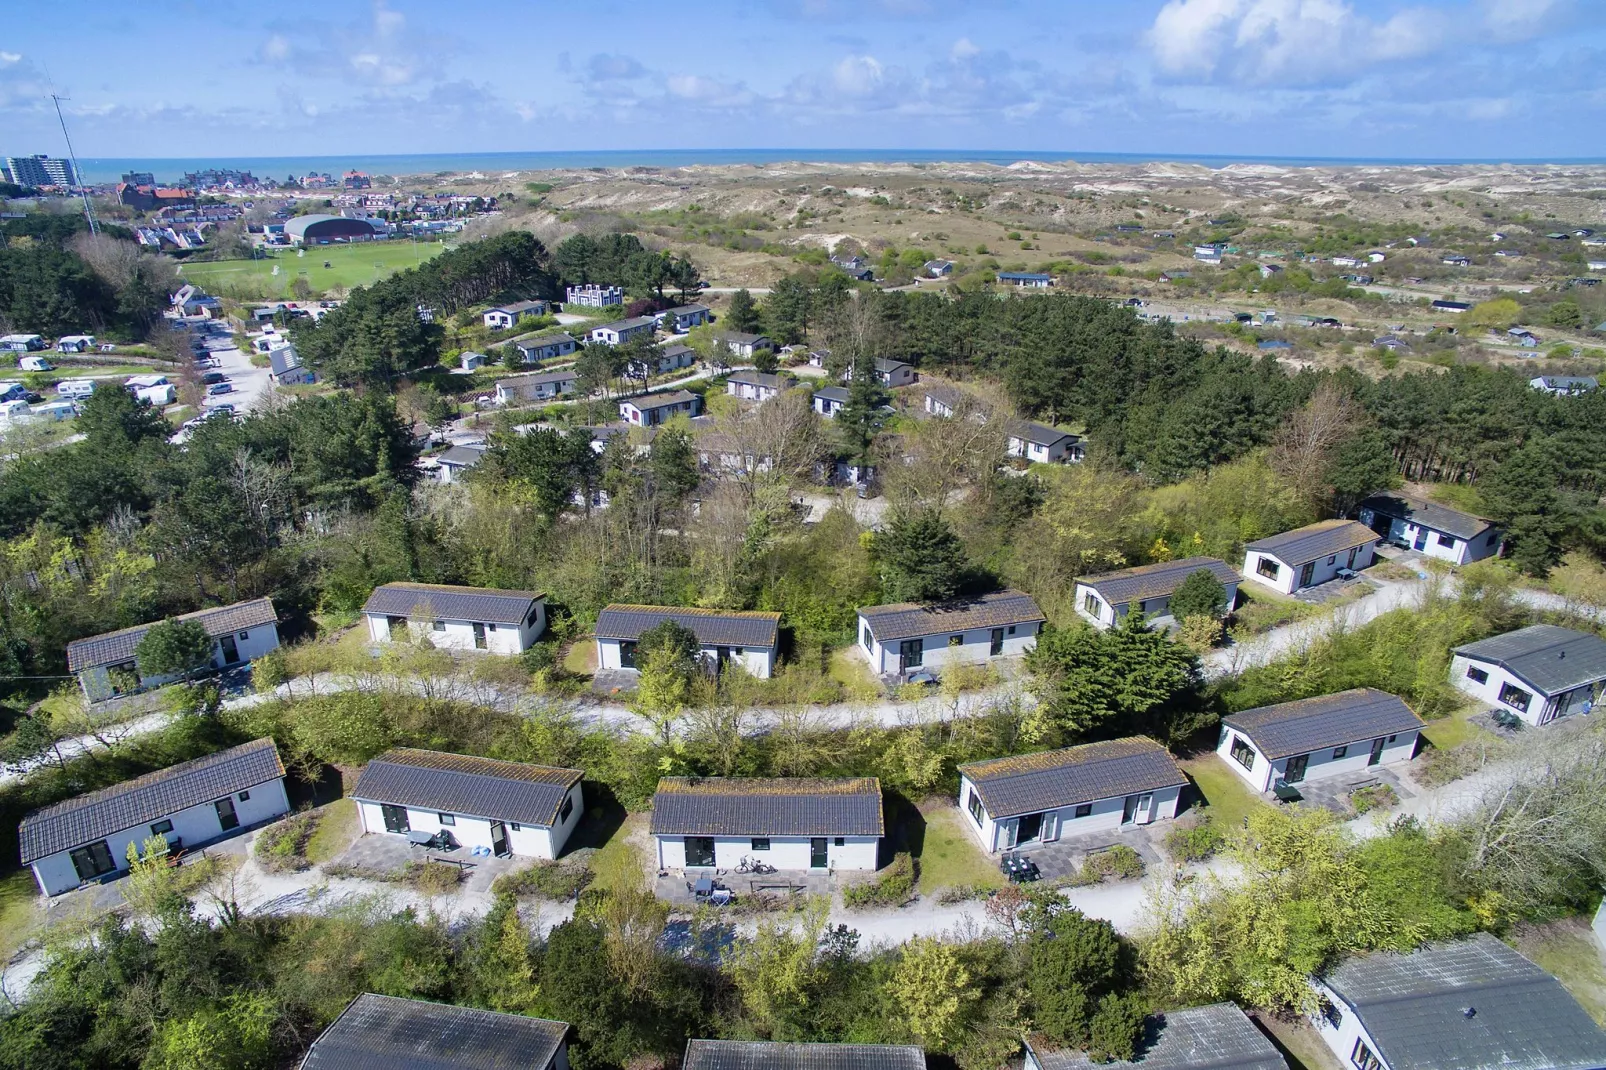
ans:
(1310, 556)
(456, 618)
(106, 664)
(1219, 1036)
(330, 229)
(1538, 673)
(621, 331)
(791, 823)
(650, 410)
(1026, 799)
(411, 1034)
(748, 638)
(593, 296)
(506, 317)
(505, 808)
(1430, 528)
(41, 171)
(1104, 599)
(1032, 441)
(191, 804)
(1343, 734)
(903, 637)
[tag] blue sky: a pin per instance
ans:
(1376, 78)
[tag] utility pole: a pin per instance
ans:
(83, 191)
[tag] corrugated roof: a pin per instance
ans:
(1217, 1037)
(1313, 541)
(440, 601)
(905, 620)
(1312, 724)
(713, 627)
(1428, 514)
(149, 798)
(1048, 780)
(465, 784)
(1416, 1008)
(771, 1055)
(114, 647)
(389, 1033)
(783, 806)
(1551, 658)
(1155, 581)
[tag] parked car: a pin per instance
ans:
(220, 388)
(213, 378)
(222, 409)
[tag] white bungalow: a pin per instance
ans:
(621, 331)
(650, 410)
(542, 386)
(1098, 787)
(1331, 735)
(190, 804)
(683, 318)
(1033, 441)
(1538, 673)
(505, 317)
(830, 400)
(746, 638)
(742, 345)
(1104, 599)
(539, 347)
(106, 665)
(456, 618)
(507, 808)
(791, 823)
(905, 636)
(755, 386)
(1311, 555)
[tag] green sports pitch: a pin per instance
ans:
(348, 266)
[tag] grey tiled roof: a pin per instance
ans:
(390, 1033)
(562, 375)
(1313, 724)
(833, 393)
(1155, 581)
(947, 395)
(462, 455)
(764, 379)
(464, 784)
(439, 601)
(713, 627)
(1428, 514)
(772, 1055)
(1551, 658)
(151, 797)
(1029, 783)
(1220, 1037)
(1295, 548)
(905, 620)
(115, 647)
(786, 806)
(887, 364)
(538, 341)
(742, 338)
(1415, 1006)
(1042, 434)
(625, 325)
(644, 402)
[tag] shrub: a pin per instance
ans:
(1120, 862)
(1439, 767)
(1194, 844)
(269, 671)
(433, 878)
(281, 847)
(1376, 797)
(893, 888)
(962, 893)
(547, 880)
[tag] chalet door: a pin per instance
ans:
(1051, 826)
(231, 650)
(722, 654)
(479, 636)
(1029, 828)
(92, 861)
(997, 646)
(1377, 751)
(627, 655)
(226, 815)
(397, 627)
(1307, 574)
(499, 840)
(1129, 809)
(1296, 769)
(911, 654)
(699, 851)
(1421, 539)
(817, 854)
(395, 818)
(1352, 552)
(1145, 812)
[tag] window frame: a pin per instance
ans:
(1241, 747)
(566, 809)
(1362, 1057)
(447, 820)
(437, 626)
(1082, 810)
(1446, 541)
(1340, 752)
(956, 641)
(1267, 568)
(158, 830)
(1508, 697)
(760, 843)
(978, 812)
(1477, 675)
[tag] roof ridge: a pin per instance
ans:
(394, 751)
(765, 614)
(153, 777)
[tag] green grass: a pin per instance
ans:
(950, 856)
(1228, 797)
(337, 827)
(1454, 730)
(1567, 949)
(581, 658)
(19, 911)
(849, 669)
(1299, 1043)
(619, 863)
(350, 265)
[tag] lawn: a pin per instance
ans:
(849, 669)
(19, 911)
(337, 827)
(950, 856)
(619, 863)
(1225, 793)
(1454, 729)
(1567, 949)
(581, 658)
(1263, 609)
(350, 265)
(1300, 1044)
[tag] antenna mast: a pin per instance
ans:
(83, 191)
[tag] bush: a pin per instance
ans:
(1120, 862)
(1376, 797)
(433, 878)
(893, 888)
(547, 880)
(281, 847)
(1194, 844)
(269, 671)
(962, 893)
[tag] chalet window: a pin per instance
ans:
(1363, 1058)
(1515, 697)
(1143, 606)
(1083, 810)
(514, 825)
(1332, 1015)
(869, 643)
(1477, 675)
(1447, 540)
(1242, 752)
(1331, 558)
(1339, 752)
(439, 625)
(974, 805)
(761, 843)
(93, 860)
(736, 650)
(1091, 605)
(161, 828)
(1493, 535)
(566, 809)
(840, 841)
(1393, 738)
(245, 635)
(956, 640)
(1011, 629)
(535, 613)
(1268, 568)
(245, 796)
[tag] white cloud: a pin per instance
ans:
(276, 49)
(8, 58)
(963, 49)
(857, 75)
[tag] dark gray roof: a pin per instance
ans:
(1042, 434)
(439, 601)
(1155, 581)
(283, 359)
(537, 341)
(764, 379)
(742, 338)
(1313, 541)
(1427, 514)
(1551, 658)
(1569, 382)
(625, 325)
(784, 806)
(390, 1033)
(1312, 724)
(713, 627)
(947, 395)
(465, 784)
(519, 306)
(683, 310)
(1217, 1037)
(1029, 783)
(644, 402)
(772, 1055)
(905, 620)
(115, 647)
(151, 797)
(674, 350)
(887, 364)
(561, 375)
(1415, 1007)
(833, 393)
(462, 455)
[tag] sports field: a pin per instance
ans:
(349, 265)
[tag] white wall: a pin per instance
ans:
(251, 643)
(1541, 709)
(1458, 552)
(827, 408)
(756, 661)
(786, 852)
(1342, 1037)
(1287, 580)
(1155, 609)
(1063, 450)
(459, 634)
(997, 834)
(196, 825)
(1321, 763)
(976, 648)
(529, 841)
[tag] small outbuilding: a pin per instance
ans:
(1097, 787)
(749, 638)
(508, 808)
(1314, 738)
(1538, 673)
(1218, 1037)
(1430, 528)
(391, 1033)
(106, 665)
(1102, 600)
(791, 823)
(456, 618)
(905, 636)
(1311, 555)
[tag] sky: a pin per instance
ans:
(1485, 79)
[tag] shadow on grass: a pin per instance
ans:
(602, 820)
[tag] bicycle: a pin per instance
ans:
(753, 865)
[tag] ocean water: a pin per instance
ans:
(496, 163)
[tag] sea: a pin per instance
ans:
(501, 163)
